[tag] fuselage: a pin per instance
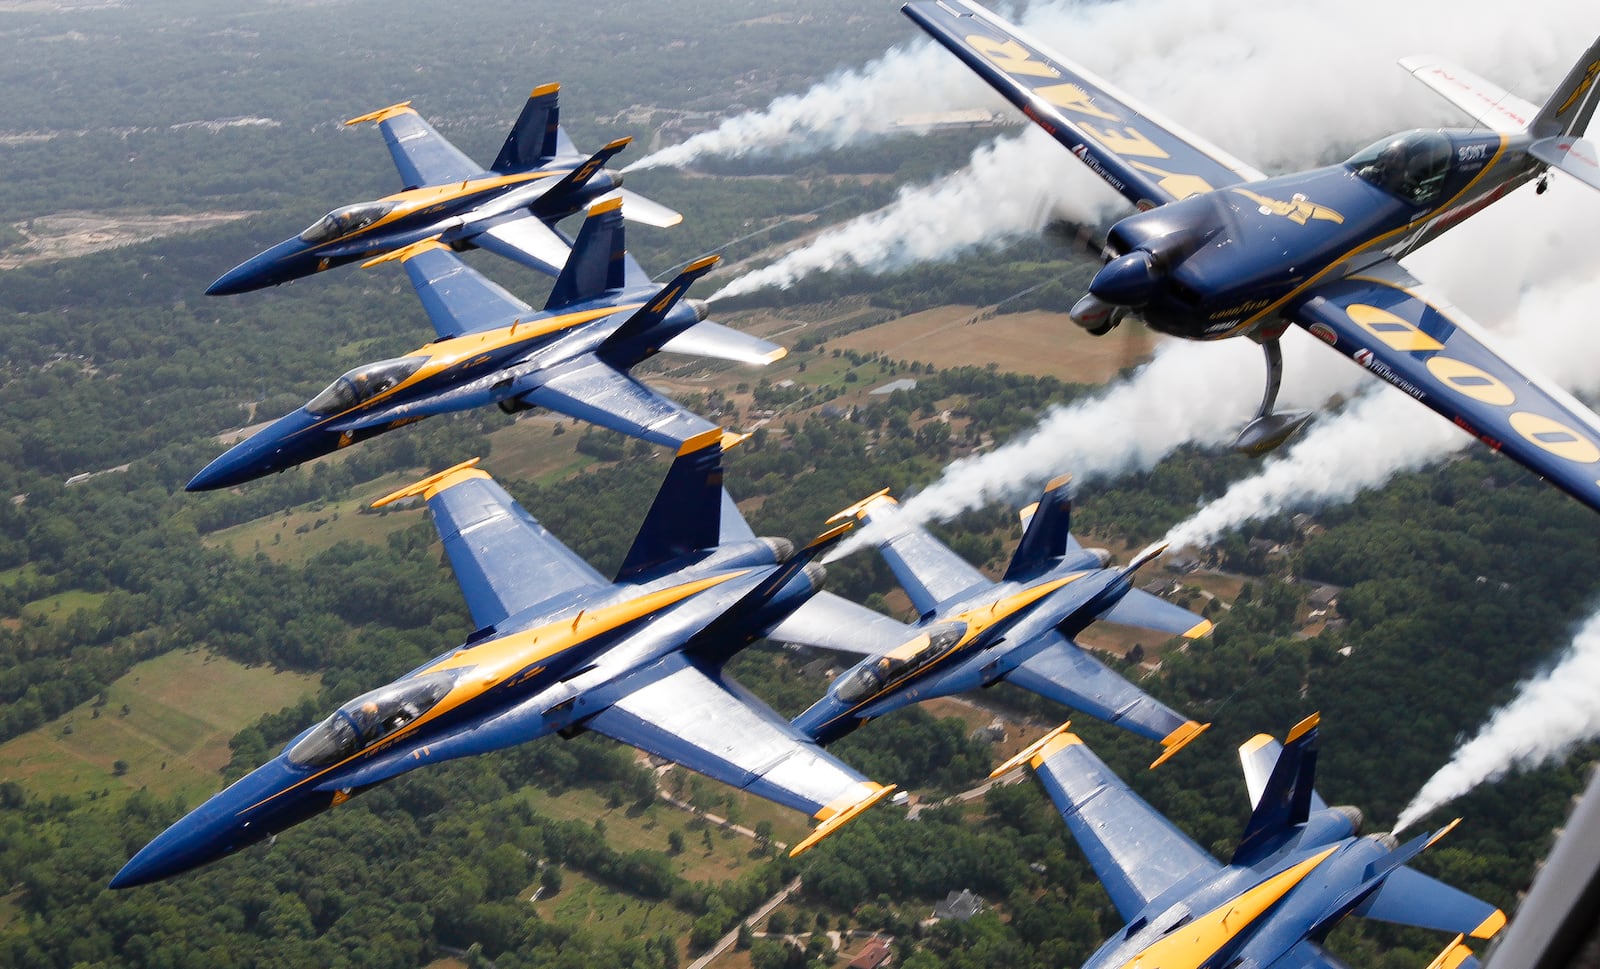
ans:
(1230, 262)
(540, 672)
(455, 212)
(970, 641)
(1255, 913)
(448, 375)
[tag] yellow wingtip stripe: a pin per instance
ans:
(383, 114)
(832, 533)
(701, 441)
(406, 252)
(777, 354)
(1439, 835)
(460, 472)
(544, 89)
(1201, 628)
(1021, 756)
(834, 817)
(1453, 955)
(1303, 727)
(1491, 926)
(732, 439)
(1179, 739)
(861, 507)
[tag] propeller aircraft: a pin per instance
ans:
(561, 649)
(975, 632)
(1299, 868)
(1217, 249)
(603, 316)
(510, 208)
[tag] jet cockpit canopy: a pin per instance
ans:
(900, 662)
(344, 220)
(363, 383)
(1413, 165)
(369, 718)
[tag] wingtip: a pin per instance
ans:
(833, 817)
(435, 483)
(860, 508)
(1028, 753)
(383, 114)
(1439, 834)
(1491, 926)
(1199, 629)
(1179, 739)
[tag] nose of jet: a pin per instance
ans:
(287, 260)
(240, 279)
(193, 841)
(273, 448)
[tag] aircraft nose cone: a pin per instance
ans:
(224, 472)
(191, 842)
(235, 280)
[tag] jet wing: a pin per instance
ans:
(504, 560)
(1065, 672)
(708, 723)
(526, 240)
(828, 621)
(1136, 853)
(1388, 322)
(422, 155)
(1149, 160)
(457, 298)
(594, 391)
(929, 572)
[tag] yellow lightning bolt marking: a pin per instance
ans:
(1298, 209)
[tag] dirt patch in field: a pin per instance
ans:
(67, 235)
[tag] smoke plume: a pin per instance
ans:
(1550, 714)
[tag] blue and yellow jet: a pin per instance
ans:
(509, 208)
(603, 317)
(561, 649)
(975, 632)
(1299, 869)
(1217, 249)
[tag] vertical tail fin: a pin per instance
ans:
(598, 261)
(1569, 109)
(532, 140)
(687, 513)
(1286, 798)
(1046, 531)
(642, 334)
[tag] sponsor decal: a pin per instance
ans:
(1472, 153)
(1366, 358)
(1082, 151)
(1325, 333)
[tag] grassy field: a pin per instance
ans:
(10, 576)
(182, 708)
(63, 604)
(607, 912)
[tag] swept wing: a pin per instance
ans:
(1135, 852)
(696, 717)
(928, 571)
(423, 156)
(504, 560)
(457, 298)
(1065, 672)
(1388, 322)
(1146, 158)
(828, 621)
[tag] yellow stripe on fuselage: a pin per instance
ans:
(493, 662)
(1194, 943)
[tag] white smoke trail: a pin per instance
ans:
(1550, 714)
(1523, 260)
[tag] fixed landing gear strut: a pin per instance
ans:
(1268, 430)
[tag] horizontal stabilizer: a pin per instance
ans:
(1285, 800)
(1140, 608)
(457, 298)
(708, 339)
(595, 265)
(1484, 101)
(1408, 897)
(527, 241)
(532, 141)
(828, 621)
(1048, 530)
(637, 208)
(647, 330)
(687, 514)
(1574, 156)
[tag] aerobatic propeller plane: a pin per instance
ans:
(603, 316)
(510, 208)
(1299, 868)
(1217, 249)
(976, 632)
(561, 649)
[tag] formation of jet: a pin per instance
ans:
(975, 632)
(1299, 869)
(603, 316)
(561, 649)
(509, 208)
(1217, 249)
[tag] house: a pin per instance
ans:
(873, 955)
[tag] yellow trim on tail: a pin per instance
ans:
(701, 263)
(436, 481)
(1438, 836)
(1017, 759)
(383, 114)
(831, 533)
(1057, 482)
(1179, 739)
(606, 205)
(833, 818)
(406, 252)
(1453, 955)
(701, 441)
(860, 508)
(1199, 629)
(1491, 926)
(1303, 727)
(544, 89)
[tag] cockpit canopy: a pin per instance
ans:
(369, 718)
(1413, 165)
(345, 220)
(899, 663)
(363, 383)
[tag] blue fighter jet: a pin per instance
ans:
(561, 649)
(509, 208)
(603, 317)
(1217, 249)
(1299, 869)
(975, 632)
